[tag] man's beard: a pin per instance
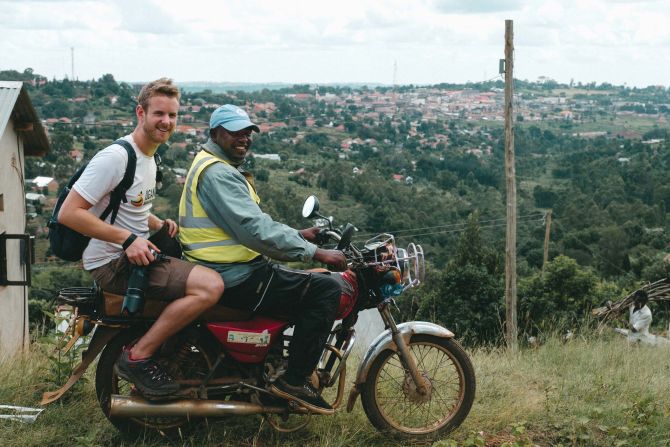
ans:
(155, 134)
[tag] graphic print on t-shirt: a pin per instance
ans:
(139, 200)
(142, 198)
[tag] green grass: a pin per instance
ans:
(595, 391)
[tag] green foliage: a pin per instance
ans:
(638, 424)
(564, 293)
(473, 439)
(39, 311)
(520, 436)
(466, 297)
(609, 195)
(544, 197)
(335, 179)
(592, 391)
(61, 142)
(48, 281)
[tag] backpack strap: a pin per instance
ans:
(64, 193)
(159, 174)
(118, 194)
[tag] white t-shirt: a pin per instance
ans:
(641, 320)
(103, 173)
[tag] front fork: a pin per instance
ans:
(406, 358)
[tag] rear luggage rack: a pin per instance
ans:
(77, 295)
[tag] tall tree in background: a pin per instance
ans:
(467, 297)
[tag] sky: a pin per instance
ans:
(623, 42)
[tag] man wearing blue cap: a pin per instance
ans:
(222, 227)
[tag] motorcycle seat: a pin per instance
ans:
(153, 308)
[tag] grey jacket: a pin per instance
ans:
(223, 193)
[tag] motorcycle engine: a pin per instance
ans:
(276, 362)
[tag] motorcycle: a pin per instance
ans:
(414, 380)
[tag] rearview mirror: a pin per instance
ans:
(311, 207)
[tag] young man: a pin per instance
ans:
(639, 320)
(222, 227)
(191, 289)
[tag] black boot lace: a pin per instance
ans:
(156, 372)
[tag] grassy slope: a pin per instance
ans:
(586, 392)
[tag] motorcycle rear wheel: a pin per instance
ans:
(193, 363)
(394, 406)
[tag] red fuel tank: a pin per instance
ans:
(248, 341)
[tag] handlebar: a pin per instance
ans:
(326, 235)
(343, 240)
(410, 260)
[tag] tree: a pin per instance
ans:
(563, 294)
(467, 296)
(612, 251)
(544, 197)
(61, 142)
(333, 179)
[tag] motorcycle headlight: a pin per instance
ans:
(403, 264)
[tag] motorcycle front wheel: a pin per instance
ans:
(393, 404)
(183, 357)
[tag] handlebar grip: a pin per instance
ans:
(321, 237)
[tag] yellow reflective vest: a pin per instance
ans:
(201, 239)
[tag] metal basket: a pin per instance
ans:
(382, 250)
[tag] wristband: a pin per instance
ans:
(129, 241)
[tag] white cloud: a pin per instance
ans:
(351, 40)
(147, 17)
(476, 6)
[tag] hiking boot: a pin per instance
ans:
(147, 375)
(304, 394)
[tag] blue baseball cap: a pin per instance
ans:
(231, 118)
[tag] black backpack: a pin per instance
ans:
(68, 244)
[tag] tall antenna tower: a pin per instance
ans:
(395, 82)
(395, 73)
(72, 59)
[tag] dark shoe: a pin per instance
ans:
(147, 375)
(305, 394)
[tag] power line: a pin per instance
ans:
(460, 230)
(453, 228)
(460, 224)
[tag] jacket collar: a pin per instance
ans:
(214, 149)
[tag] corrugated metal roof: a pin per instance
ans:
(15, 104)
(9, 93)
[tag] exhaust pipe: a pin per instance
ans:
(136, 407)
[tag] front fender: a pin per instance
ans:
(385, 341)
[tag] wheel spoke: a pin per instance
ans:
(399, 401)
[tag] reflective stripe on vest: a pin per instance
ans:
(202, 239)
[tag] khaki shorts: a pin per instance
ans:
(167, 279)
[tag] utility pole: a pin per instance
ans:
(510, 176)
(547, 232)
(72, 60)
